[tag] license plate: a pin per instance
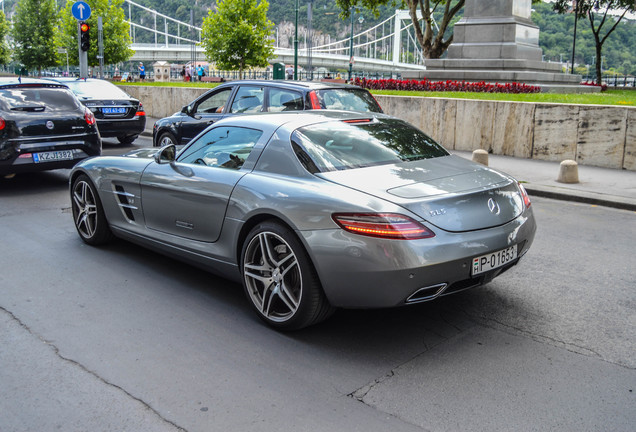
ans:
(52, 156)
(494, 260)
(114, 110)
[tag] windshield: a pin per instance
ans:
(354, 99)
(344, 145)
(96, 90)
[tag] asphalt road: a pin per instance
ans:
(118, 338)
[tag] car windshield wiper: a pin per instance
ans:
(34, 108)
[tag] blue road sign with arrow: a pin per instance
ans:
(81, 11)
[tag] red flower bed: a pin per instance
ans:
(449, 85)
(594, 84)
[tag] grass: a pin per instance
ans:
(609, 97)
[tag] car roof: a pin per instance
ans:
(24, 81)
(296, 119)
(308, 85)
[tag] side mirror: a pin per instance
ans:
(187, 110)
(166, 154)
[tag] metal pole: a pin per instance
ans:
(309, 43)
(351, 47)
(100, 46)
(576, 19)
(296, 44)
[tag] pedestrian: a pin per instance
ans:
(290, 72)
(183, 73)
(142, 71)
(187, 73)
(199, 72)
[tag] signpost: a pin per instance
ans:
(81, 11)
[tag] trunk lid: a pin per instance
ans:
(449, 192)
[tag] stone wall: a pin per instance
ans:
(589, 134)
(595, 135)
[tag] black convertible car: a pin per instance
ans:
(253, 96)
(43, 126)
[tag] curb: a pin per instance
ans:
(582, 197)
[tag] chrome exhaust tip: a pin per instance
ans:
(426, 293)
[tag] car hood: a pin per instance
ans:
(450, 192)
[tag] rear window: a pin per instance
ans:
(96, 89)
(37, 99)
(340, 145)
(348, 99)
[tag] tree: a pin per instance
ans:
(598, 13)
(116, 32)
(238, 35)
(4, 48)
(34, 31)
(434, 42)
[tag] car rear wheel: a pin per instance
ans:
(280, 280)
(88, 213)
(127, 139)
(165, 139)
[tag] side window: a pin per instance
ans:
(284, 100)
(215, 103)
(225, 147)
(248, 99)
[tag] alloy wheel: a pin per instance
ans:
(84, 209)
(273, 276)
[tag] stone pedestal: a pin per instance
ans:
(496, 41)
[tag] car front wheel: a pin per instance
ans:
(88, 213)
(279, 279)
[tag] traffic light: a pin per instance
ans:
(85, 37)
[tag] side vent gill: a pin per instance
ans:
(126, 202)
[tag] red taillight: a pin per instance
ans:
(383, 225)
(524, 195)
(2, 123)
(89, 116)
(313, 98)
(140, 111)
(354, 121)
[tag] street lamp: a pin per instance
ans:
(360, 20)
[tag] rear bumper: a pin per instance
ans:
(24, 161)
(363, 272)
(121, 127)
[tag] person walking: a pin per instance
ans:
(142, 71)
(199, 72)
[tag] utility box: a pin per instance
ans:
(279, 71)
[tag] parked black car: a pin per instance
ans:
(43, 126)
(118, 114)
(258, 96)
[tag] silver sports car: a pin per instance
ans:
(312, 211)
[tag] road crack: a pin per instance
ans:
(85, 369)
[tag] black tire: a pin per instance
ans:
(165, 139)
(88, 212)
(127, 140)
(279, 279)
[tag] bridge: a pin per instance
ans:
(386, 47)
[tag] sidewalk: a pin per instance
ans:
(599, 186)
